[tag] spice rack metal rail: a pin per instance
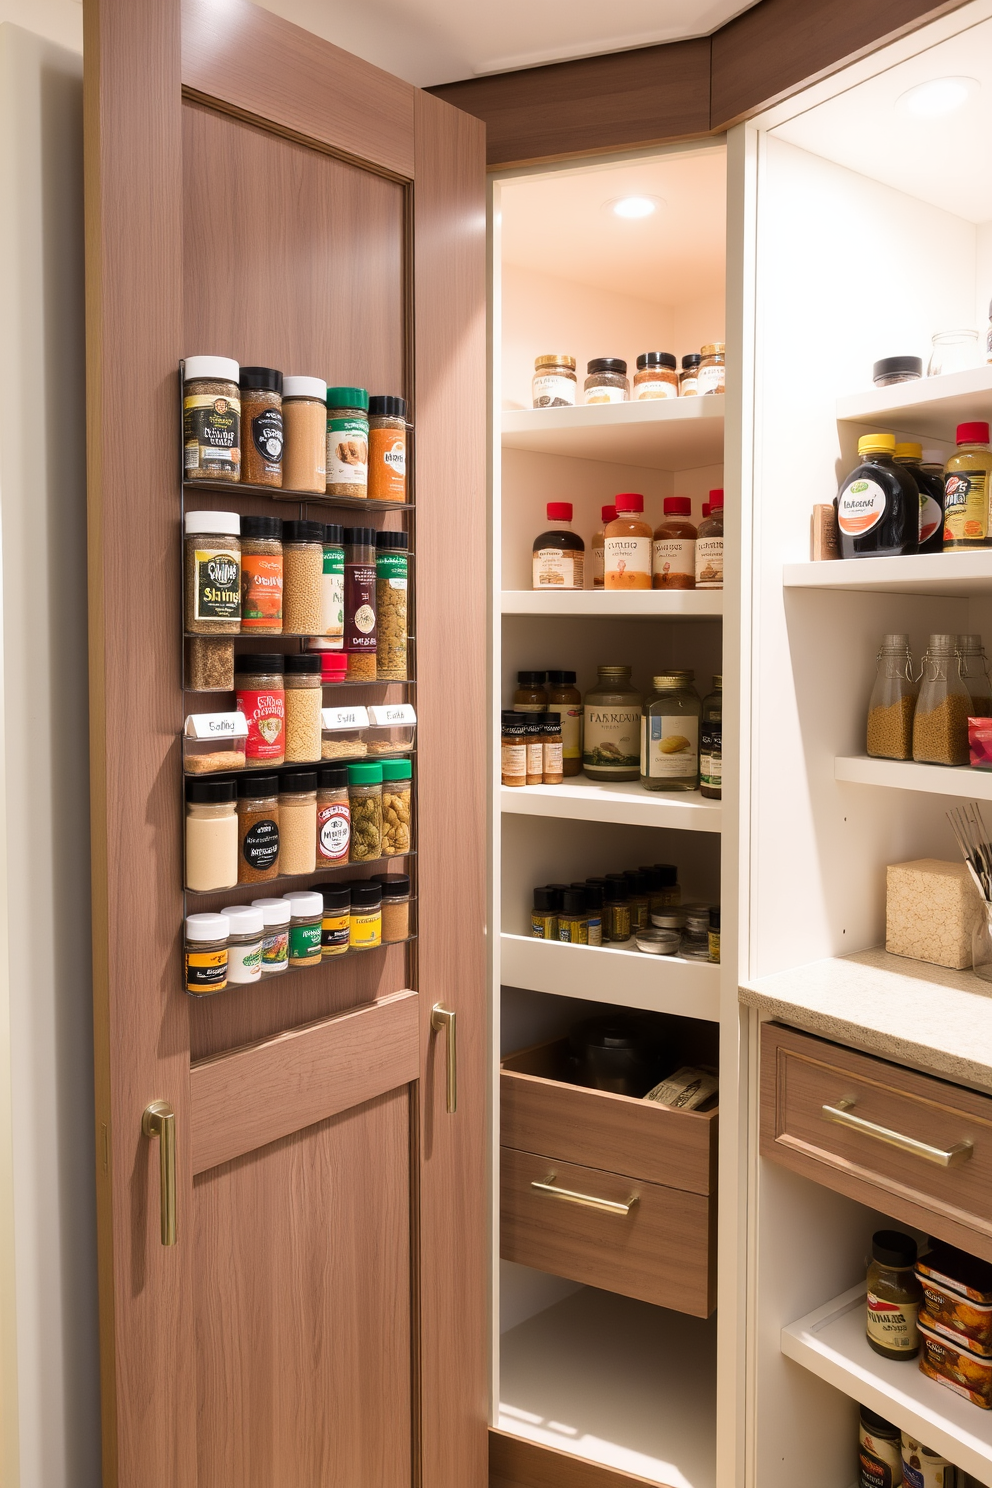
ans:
(284, 493)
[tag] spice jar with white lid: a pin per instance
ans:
(244, 944)
(205, 946)
(554, 383)
(689, 376)
(211, 835)
(307, 914)
(276, 915)
(713, 368)
(212, 573)
(304, 696)
(656, 376)
(261, 426)
(298, 821)
(607, 381)
(304, 417)
(211, 419)
(347, 441)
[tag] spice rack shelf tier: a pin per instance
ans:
(929, 406)
(831, 1343)
(625, 803)
(675, 604)
(294, 971)
(937, 780)
(229, 489)
(616, 974)
(213, 898)
(941, 575)
(656, 434)
(265, 767)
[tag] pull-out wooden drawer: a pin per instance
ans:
(912, 1145)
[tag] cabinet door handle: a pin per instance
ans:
(588, 1201)
(944, 1157)
(159, 1120)
(443, 1021)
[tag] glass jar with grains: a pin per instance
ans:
(208, 665)
(712, 376)
(304, 417)
(365, 795)
(607, 381)
(333, 816)
(360, 616)
(347, 441)
(303, 575)
(212, 573)
(975, 674)
(554, 384)
(391, 564)
(387, 449)
(892, 702)
(261, 426)
(397, 789)
(261, 574)
(940, 723)
(258, 829)
(656, 376)
(298, 821)
(211, 419)
(670, 734)
(332, 588)
(304, 696)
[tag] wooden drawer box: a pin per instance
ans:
(813, 1094)
(611, 1149)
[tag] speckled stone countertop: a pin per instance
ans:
(908, 1011)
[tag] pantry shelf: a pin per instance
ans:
(676, 604)
(626, 803)
(943, 575)
(831, 1343)
(937, 780)
(929, 406)
(617, 974)
(656, 434)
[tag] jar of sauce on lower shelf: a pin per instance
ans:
(879, 1452)
(894, 1296)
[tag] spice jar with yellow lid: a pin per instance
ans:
(656, 376)
(712, 375)
(554, 383)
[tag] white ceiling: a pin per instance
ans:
(440, 41)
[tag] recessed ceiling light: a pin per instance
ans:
(938, 96)
(633, 207)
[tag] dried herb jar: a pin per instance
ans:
(554, 384)
(261, 426)
(304, 696)
(304, 422)
(211, 419)
(607, 381)
(387, 449)
(395, 906)
(258, 828)
(306, 918)
(391, 568)
(712, 376)
(212, 573)
(656, 376)
(347, 441)
(261, 575)
(365, 798)
(303, 577)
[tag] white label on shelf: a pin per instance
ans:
(385, 713)
(343, 718)
(216, 726)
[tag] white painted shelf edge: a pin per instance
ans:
(938, 780)
(831, 1343)
(703, 604)
(942, 575)
(597, 801)
(664, 984)
(657, 411)
(926, 395)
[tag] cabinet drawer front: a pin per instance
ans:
(660, 1251)
(908, 1143)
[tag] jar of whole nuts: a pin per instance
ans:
(304, 696)
(397, 789)
(212, 573)
(261, 426)
(211, 419)
(365, 797)
(391, 566)
(303, 574)
(347, 441)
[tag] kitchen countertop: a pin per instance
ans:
(909, 1011)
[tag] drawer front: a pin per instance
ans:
(660, 1251)
(923, 1155)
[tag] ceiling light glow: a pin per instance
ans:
(938, 96)
(633, 207)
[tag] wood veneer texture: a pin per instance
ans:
(516, 1463)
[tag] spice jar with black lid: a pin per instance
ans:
(607, 381)
(332, 589)
(336, 924)
(513, 748)
(333, 816)
(258, 828)
(260, 685)
(894, 1296)
(211, 835)
(303, 575)
(387, 449)
(689, 376)
(891, 370)
(365, 930)
(261, 426)
(211, 419)
(656, 376)
(304, 696)
(395, 905)
(360, 601)
(347, 441)
(261, 574)
(297, 821)
(212, 573)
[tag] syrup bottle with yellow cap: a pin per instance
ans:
(878, 505)
(931, 486)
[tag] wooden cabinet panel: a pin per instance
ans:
(516, 1463)
(801, 1075)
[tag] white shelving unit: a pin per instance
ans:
(941, 575)
(939, 780)
(648, 604)
(580, 799)
(656, 434)
(930, 406)
(620, 974)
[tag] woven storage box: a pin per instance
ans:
(931, 909)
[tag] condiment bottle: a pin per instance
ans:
(628, 545)
(656, 376)
(711, 743)
(712, 376)
(940, 722)
(535, 748)
(552, 750)
(305, 923)
(205, 953)
(276, 914)
(894, 1296)
(974, 669)
(689, 376)
(612, 718)
(347, 455)
(565, 699)
(211, 835)
(572, 925)
(261, 575)
(258, 828)
(637, 883)
(559, 553)
(607, 514)
(931, 489)
(878, 505)
(709, 545)
(966, 489)
(530, 696)
(513, 748)
(607, 381)
(261, 426)
(666, 891)
(544, 915)
(674, 559)
(304, 421)
(554, 382)
(387, 449)
(333, 815)
(360, 616)
(670, 734)
(211, 419)
(244, 944)
(365, 928)
(879, 1455)
(332, 587)
(335, 925)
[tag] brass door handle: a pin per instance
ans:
(443, 1021)
(159, 1120)
(588, 1201)
(944, 1157)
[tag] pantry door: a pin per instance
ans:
(320, 1320)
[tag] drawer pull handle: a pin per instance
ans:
(944, 1157)
(588, 1201)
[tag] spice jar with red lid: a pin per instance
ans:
(709, 546)
(559, 553)
(628, 545)
(675, 546)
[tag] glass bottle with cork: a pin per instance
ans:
(709, 545)
(892, 702)
(612, 723)
(628, 541)
(675, 546)
(966, 488)
(559, 553)
(565, 699)
(607, 514)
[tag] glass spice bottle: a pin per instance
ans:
(387, 449)
(711, 743)
(397, 814)
(365, 796)
(559, 554)
(304, 418)
(335, 925)
(261, 575)
(552, 748)
(689, 376)
(535, 748)
(305, 927)
(212, 573)
(554, 384)
(304, 697)
(365, 925)
(598, 549)
(595, 896)
(940, 723)
(303, 576)
(513, 748)
(530, 696)
(709, 546)
(395, 906)
(712, 374)
(607, 381)
(656, 376)
(360, 617)
(211, 835)
(261, 426)
(391, 578)
(616, 910)
(347, 441)
(333, 816)
(573, 927)
(244, 944)
(628, 545)
(975, 674)
(637, 884)
(674, 560)
(670, 734)
(297, 822)
(612, 722)
(275, 935)
(667, 891)
(894, 1296)
(332, 588)
(211, 419)
(261, 696)
(205, 946)
(892, 702)
(565, 699)
(544, 915)
(258, 829)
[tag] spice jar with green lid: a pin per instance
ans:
(212, 572)
(261, 426)
(670, 734)
(397, 786)
(304, 695)
(347, 441)
(211, 419)
(365, 796)
(307, 914)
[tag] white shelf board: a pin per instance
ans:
(930, 406)
(617, 1382)
(679, 604)
(831, 1343)
(937, 780)
(944, 575)
(620, 974)
(656, 434)
(580, 799)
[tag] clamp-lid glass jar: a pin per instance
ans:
(554, 384)
(304, 417)
(261, 426)
(656, 376)
(387, 449)
(607, 381)
(259, 680)
(306, 917)
(940, 722)
(304, 696)
(261, 574)
(211, 419)
(212, 573)
(347, 441)
(713, 368)
(365, 796)
(397, 786)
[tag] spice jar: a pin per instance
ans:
(333, 668)
(304, 696)
(261, 574)
(975, 674)
(304, 418)
(709, 546)
(558, 553)
(211, 835)
(552, 762)
(966, 489)
(365, 928)
(598, 547)
(607, 381)
(244, 944)
(565, 699)
(595, 898)
(212, 573)
(333, 816)
(554, 384)
(261, 695)
(544, 914)
(637, 885)
(891, 370)
(534, 738)
(211, 419)
(297, 821)
(665, 888)
(395, 906)
(674, 560)
(572, 924)
(332, 587)
(205, 947)
(611, 746)
(696, 936)
(306, 920)
(397, 789)
(360, 618)
(879, 1451)
(616, 909)
(530, 696)
(656, 376)
(689, 376)
(209, 665)
(712, 375)
(894, 1296)
(365, 796)
(261, 426)
(387, 449)
(513, 748)
(670, 734)
(391, 605)
(303, 574)
(347, 441)
(714, 936)
(258, 828)
(940, 723)
(628, 545)
(711, 743)
(275, 935)
(336, 924)
(892, 702)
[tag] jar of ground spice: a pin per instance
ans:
(306, 918)
(365, 925)
(261, 696)
(940, 723)
(335, 927)
(656, 376)
(365, 796)
(298, 821)
(258, 828)
(244, 944)
(333, 816)
(689, 376)
(397, 789)
(211, 419)
(304, 421)
(893, 701)
(387, 449)
(360, 617)
(607, 381)
(261, 575)
(554, 381)
(276, 914)
(332, 587)
(347, 441)
(212, 573)
(205, 944)
(712, 377)
(211, 835)
(209, 665)
(391, 597)
(303, 572)
(395, 906)
(304, 696)
(261, 426)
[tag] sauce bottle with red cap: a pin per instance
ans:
(966, 489)
(607, 514)
(628, 542)
(559, 553)
(709, 545)
(675, 546)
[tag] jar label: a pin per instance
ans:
(893, 1324)
(334, 933)
(558, 568)
(710, 753)
(266, 436)
(931, 516)
(573, 932)
(359, 608)
(605, 394)
(366, 929)
(709, 562)
(260, 845)
(675, 558)
(924, 1469)
(598, 565)
(211, 430)
(206, 971)
(860, 507)
(265, 714)
(594, 929)
(513, 762)
(304, 942)
(655, 389)
(275, 947)
(628, 563)
(552, 757)
(245, 963)
(612, 736)
(711, 379)
(393, 567)
(332, 593)
(535, 757)
(261, 591)
(551, 390)
(966, 506)
(334, 831)
(688, 386)
(879, 1461)
(387, 464)
(347, 451)
(543, 926)
(571, 728)
(670, 746)
(217, 583)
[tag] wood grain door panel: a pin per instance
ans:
(515, 1462)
